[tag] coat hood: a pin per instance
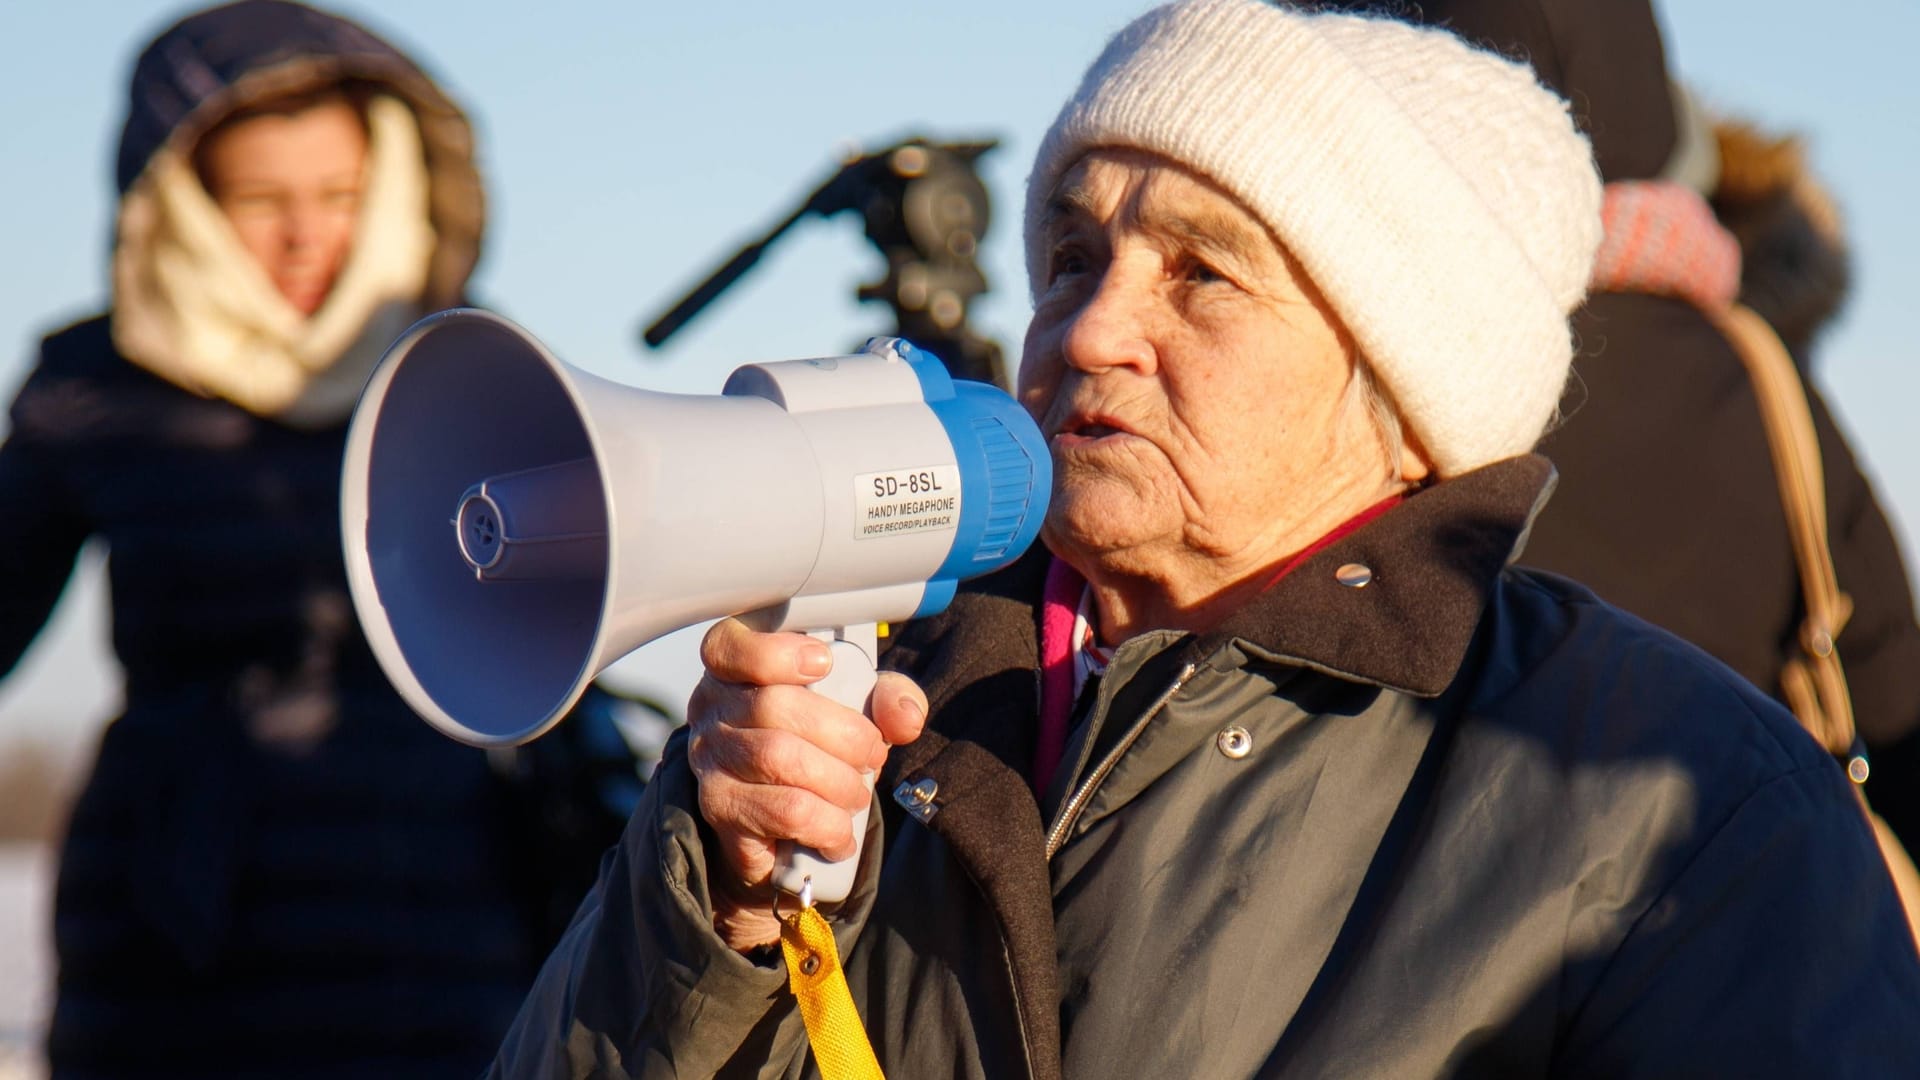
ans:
(1796, 268)
(1604, 58)
(192, 305)
(213, 62)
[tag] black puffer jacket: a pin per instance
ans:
(1668, 505)
(276, 869)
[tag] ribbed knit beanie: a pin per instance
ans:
(1440, 199)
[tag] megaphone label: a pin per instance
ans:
(906, 501)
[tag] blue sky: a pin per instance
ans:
(629, 146)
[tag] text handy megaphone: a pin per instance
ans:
(513, 525)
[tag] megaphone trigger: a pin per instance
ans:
(850, 683)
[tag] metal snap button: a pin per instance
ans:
(1236, 742)
(1354, 575)
(917, 799)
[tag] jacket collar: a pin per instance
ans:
(1396, 602)
(1432, 562)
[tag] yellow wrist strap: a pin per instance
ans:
(839, 1041)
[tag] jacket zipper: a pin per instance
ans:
(1071, 811)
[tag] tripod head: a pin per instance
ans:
(926, 209)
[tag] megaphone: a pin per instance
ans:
(513, 525)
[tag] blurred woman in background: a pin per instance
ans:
(274, 868)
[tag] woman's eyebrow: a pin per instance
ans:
(1212, 231)
(1206, 229)
(1074, 202)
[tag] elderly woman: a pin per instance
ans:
(1270, 764)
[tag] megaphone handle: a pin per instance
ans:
(850, 683)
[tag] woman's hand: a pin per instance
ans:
(777, 761)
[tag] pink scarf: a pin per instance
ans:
(1662, 238)
(1059, 603)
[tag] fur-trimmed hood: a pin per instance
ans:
(203, 68)
(192, 306)
(1796, 267)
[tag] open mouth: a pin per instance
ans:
(1086, 429)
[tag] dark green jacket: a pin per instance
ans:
(1487, 826)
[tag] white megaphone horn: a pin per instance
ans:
(514, 525)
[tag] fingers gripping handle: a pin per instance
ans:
(850, 683)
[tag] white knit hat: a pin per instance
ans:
(1440, 199)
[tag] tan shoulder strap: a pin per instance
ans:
(1814, 682)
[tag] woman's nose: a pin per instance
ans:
(301, 227)
(1110, 329)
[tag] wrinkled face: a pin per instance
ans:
(290, 184)
(1192, 383)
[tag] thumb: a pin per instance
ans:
(899, 709)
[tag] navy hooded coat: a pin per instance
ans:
(275, 868)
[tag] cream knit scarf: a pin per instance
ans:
(194, 307)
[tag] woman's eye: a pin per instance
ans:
(1199, 273)
(1067, 261)
(251, 204)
